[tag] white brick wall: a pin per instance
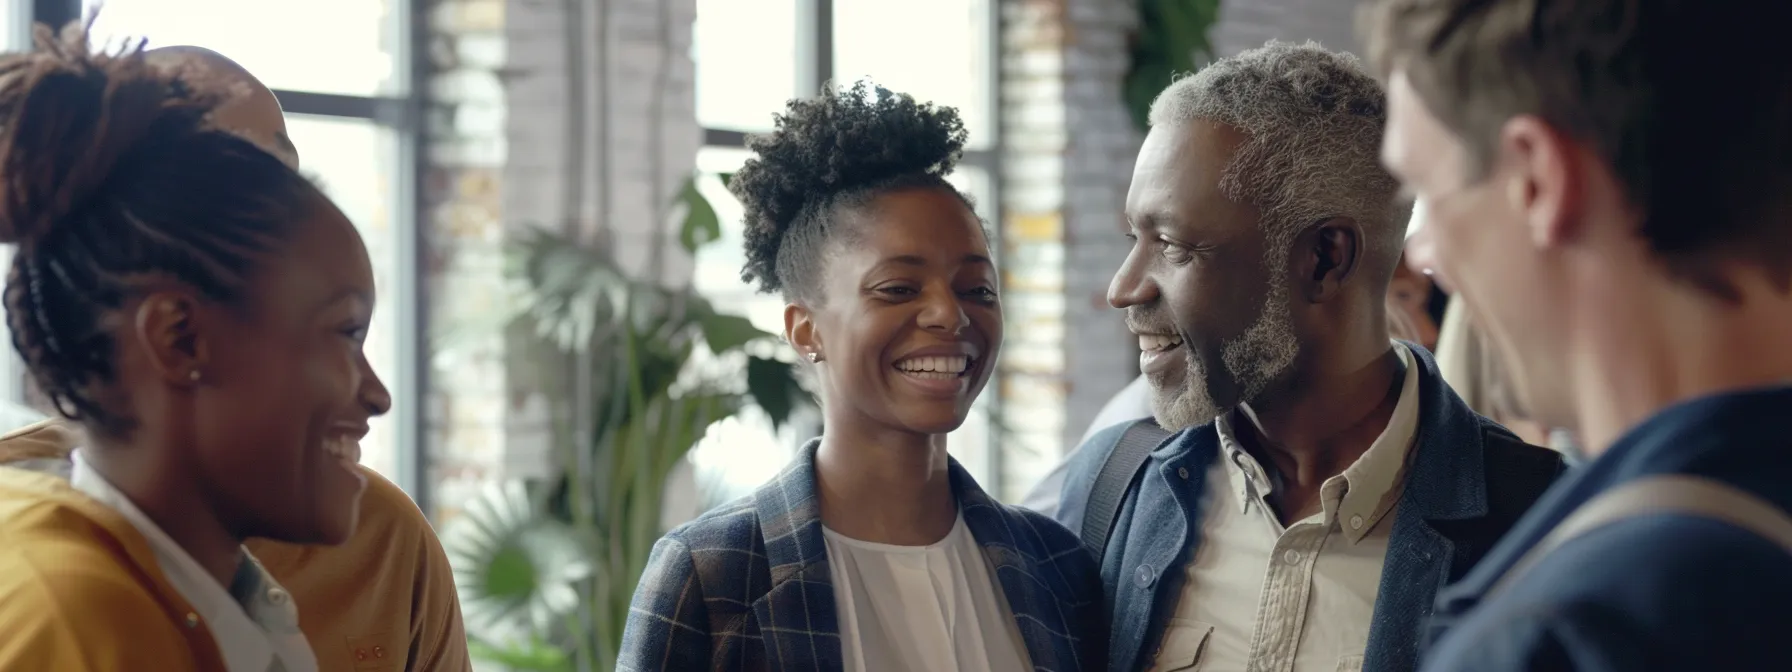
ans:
(1068, 153)
(1249, 23)
(499, 144)
(466, 148)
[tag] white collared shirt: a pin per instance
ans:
(258, 634)
(1263, 597)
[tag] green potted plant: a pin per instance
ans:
(546, 571)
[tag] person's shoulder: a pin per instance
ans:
(734, 525)
(72, 606)
(70, 576)
(722, 551)
(1504, 445)
(1048, 538)
(1092, 453)
(388, 509)
(51, 439)
(35, 504)
(1661, 591)
(60, 581)
(1663, 554)
(1517, 473)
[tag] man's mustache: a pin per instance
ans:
(1143, 322)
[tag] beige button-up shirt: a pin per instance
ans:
(1267, 598)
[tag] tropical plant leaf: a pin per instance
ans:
(725, 333)
(774, 388)
(1171, 39)
(700, 222)
(516, 568)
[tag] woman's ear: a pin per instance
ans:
(167, 328)
(799, 331)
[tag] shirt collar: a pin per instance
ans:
(1368, 488)
(250, 632)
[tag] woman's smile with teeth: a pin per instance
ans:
(343, 448)
(934, 367)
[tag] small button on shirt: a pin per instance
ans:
(1267, 598)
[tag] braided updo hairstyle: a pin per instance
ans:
(114, 183)
(839, 150)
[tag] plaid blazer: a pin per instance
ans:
(748, 587)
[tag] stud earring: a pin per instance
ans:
(814, 357)
(193, 375)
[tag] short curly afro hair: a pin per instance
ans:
(838, 150)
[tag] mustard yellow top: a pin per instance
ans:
(80, 589)
(383, 601)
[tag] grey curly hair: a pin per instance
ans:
(1313, 121)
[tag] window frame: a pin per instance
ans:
(815, 66)
(403, 116)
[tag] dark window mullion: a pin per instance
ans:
(399, 113)
(56, 13)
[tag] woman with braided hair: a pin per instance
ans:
(874, 549)
(199, 308)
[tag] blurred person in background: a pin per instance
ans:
(1410, 306)
(386, 597)
(1472, 367)
(1608, 187)
(874, 550)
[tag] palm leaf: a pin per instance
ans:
(517, 569)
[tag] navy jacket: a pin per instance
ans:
(1467, 482)
(1661, 592)
(748, 586)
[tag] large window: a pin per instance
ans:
(754, 55)
(15, 22)
(342, 71)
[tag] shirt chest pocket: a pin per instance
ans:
(371, 653)
(1353, 663)
(1184, 642)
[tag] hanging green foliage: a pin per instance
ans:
(1171, 40)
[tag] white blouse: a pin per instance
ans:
(928, 608)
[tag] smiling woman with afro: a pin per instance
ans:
(874, 547)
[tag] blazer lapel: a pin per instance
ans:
(797, 617)
(1038, 597)
(1447, 481)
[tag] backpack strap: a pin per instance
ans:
(1662, 495)
(1117, 474)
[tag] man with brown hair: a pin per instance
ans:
(1608, 184)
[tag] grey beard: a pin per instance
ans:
(1255, 359)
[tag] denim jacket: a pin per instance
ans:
(1468, 480)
